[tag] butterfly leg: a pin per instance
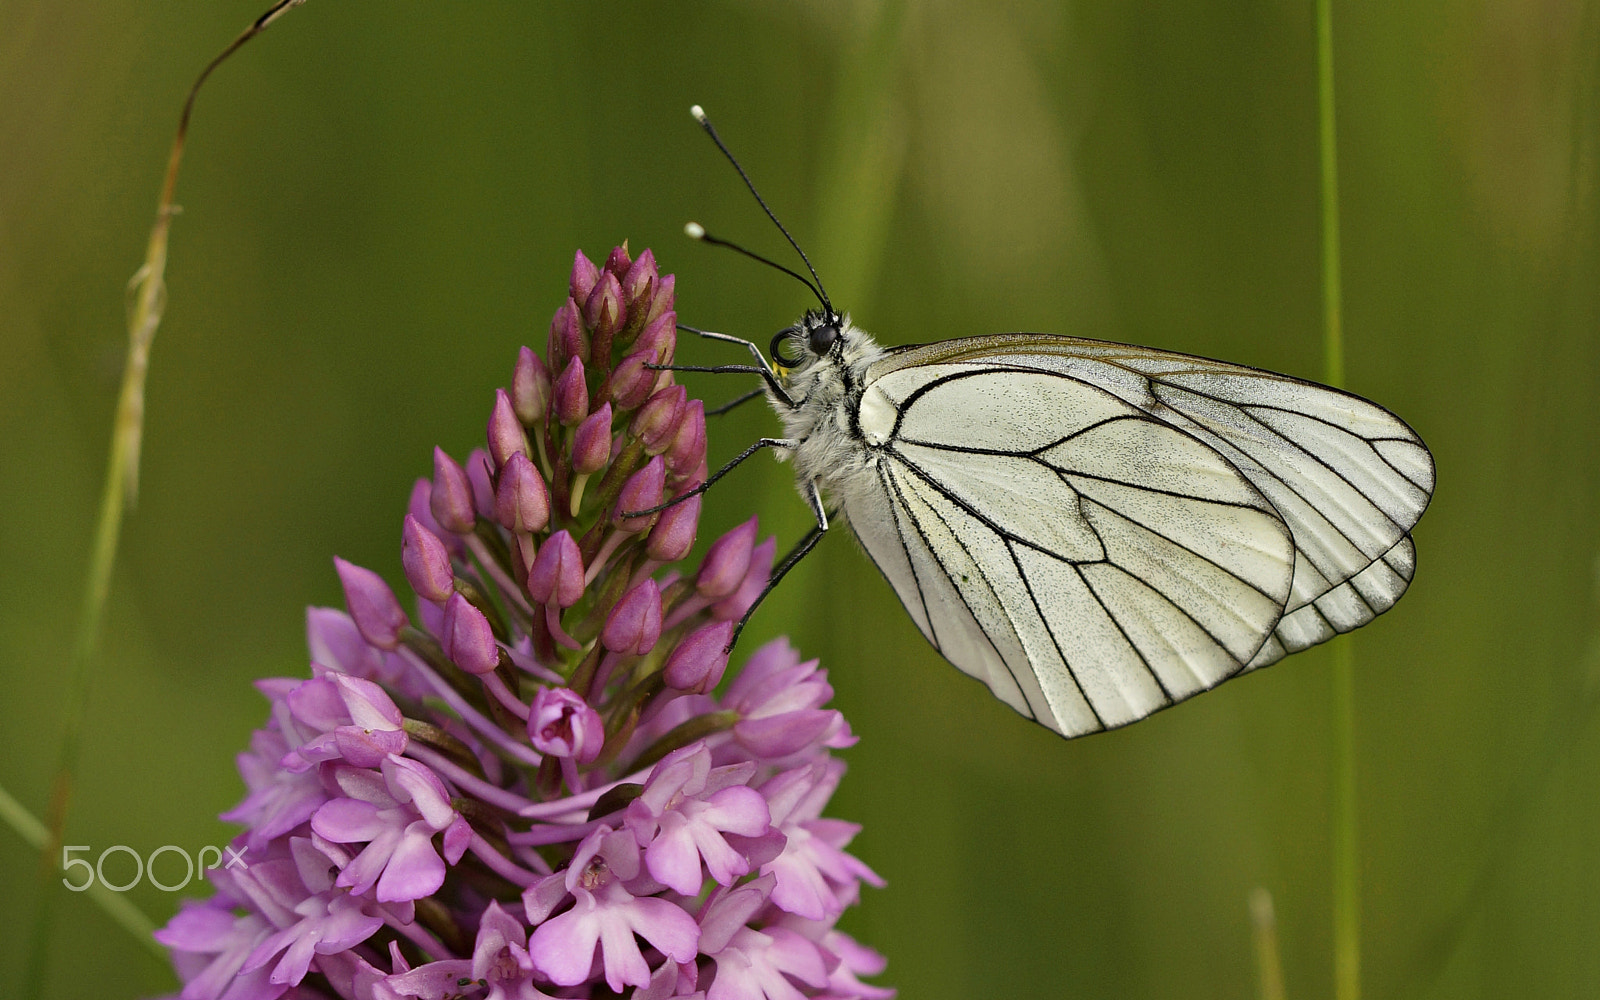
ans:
(763, 371)
(736, 402)
(761, 359)
(762, 443)
(805, 545)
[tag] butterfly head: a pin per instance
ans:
(818, 335)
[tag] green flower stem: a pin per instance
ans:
(115, 905)
(1269, 965)
(147, 301)
(1346, 860)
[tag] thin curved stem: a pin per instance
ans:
(147, 300)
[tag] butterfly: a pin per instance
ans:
(1095, 531)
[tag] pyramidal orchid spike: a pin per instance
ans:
(684, 853)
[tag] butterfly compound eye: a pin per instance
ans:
(820, 338)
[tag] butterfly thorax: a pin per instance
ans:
(826, 390)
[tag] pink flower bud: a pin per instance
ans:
(734, 606)
(602, 312)
(556, 576)
(480, 476)
(567, 338)
(698, 662)
(420, 507)
(632, 381)
(591, 443)
(372, 605)
(726, 562)
(675, 530)
(562, 724)
(641, 492)
(634, 625)
(691, 480)
(451, 501)
(506, 437)
(522, 501)
(584, 275)
(571, 395)
(661, 298)
(657, 421)
(688, 447)
(467, 637)
(618, 262)
(638, 282)
(426, 561)
(530, 387)
(659, 338)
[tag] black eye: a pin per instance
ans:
(821, 338)
(779, 340)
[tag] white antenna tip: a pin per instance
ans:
(699, 113)
(694, 230)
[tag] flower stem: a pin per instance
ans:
(1269, 966)
(1346, 862)
(147, 300)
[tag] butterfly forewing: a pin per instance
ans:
(1347, 478)
(1087, 561)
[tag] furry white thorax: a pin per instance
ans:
(827, 391)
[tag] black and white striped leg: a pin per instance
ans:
(680, 498)
(802, 548)
(761, 359)
(765, 373)
(737, 401)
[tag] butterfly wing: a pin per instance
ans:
(1349, 478)
(1088, 562)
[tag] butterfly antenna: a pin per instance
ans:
(820, 292)
(695, 231)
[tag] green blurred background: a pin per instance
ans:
(381, 204)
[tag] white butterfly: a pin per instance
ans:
(1098, 531)
(1095, 531)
